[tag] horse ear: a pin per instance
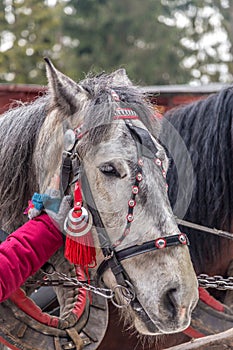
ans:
(65, 92)
(120, 77)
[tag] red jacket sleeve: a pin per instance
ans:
(25, 251)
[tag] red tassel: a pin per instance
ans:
(81, 250)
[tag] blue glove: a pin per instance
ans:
(50, 200)
(51, 203)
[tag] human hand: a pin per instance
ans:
(51, 203)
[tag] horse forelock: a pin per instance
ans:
(100, 111)
(206, 128)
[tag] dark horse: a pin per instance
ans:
(198, 137)
(199, 141)
(205, 127)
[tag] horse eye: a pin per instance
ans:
(109, 170)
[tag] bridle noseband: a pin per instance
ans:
(112, 257)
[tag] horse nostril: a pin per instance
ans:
(170, 302)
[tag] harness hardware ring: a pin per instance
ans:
(108, 257)
(126, 295)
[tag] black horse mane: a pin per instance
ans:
(206, 128)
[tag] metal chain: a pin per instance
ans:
(217, 282)
(204, 281)
(68, 282)
(127, 293)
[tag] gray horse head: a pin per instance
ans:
(164, 280)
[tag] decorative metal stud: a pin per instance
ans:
(135, 190)
(183, 238)
(139, 177)
(129, 217)
(160, 243)
(131, 203)
(158, 162)
(140, 162)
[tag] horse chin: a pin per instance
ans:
(146, 326)
(153, 329)
(141, 323)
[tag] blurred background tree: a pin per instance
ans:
(157, 41)
(29, 29)
(207, 37)
(125, 33)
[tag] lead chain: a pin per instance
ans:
(127, 293)
(204, 281)
(104, 292)
(69, 282)
(217, 282)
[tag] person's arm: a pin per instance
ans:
(25, 251)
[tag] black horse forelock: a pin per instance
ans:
(206, 128)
